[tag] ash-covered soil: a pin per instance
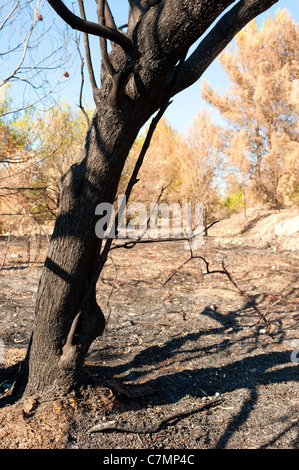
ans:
(169, 349)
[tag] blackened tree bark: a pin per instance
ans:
(135, 78)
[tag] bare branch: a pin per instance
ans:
(25, 188)
(82, 84)
(9, 14)
(109, 20)
(131, 244)
(120, 427)
(26, 45)
(111, 292)
(21, 62)
(87, 50)
(243, 293)
(89, 27)
(33, 103)
(218, 38)
(103, 42)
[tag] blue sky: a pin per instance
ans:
(185, 105)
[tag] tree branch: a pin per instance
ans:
(131, 243)
(218, 38)
(82, 84)
(90, 27)
(109, 20)
(120, 427)
(33, 103)
(101, 11)
(26, 45)
(87, 50)
(9, 14)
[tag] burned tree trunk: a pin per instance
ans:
(68, 317)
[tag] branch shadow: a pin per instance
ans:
(247, 372)
(7, 378)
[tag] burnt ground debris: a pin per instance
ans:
(168, 349)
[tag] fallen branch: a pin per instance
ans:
(131, 243)
(120, 427)
(243, 293)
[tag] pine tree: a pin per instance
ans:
(261, 105)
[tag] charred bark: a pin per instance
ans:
(65, 328)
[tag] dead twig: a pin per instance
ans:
(243, 293)
(80, 105)
(131, 243)
(120, 427)
(224, 271)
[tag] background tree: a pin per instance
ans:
(136, 78)
(37, 149)
(262, 106)
(160, 168)
(203, 163)
(188, 166)
(25, 27)
(60, 133)
(13, 158)
(35, 57)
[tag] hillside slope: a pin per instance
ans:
(260, 228)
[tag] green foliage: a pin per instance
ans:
(5, 99)
(295, 196)
(234, 201)
(37, 148)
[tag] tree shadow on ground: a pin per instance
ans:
(247, 372)
(7, 378)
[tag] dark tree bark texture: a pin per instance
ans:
(135, 78)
